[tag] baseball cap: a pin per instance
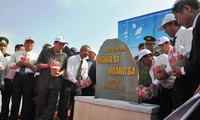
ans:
(93, 50)
(166, 19)
(162, 40)
(142, 53)
(30, 39)
(60, 39)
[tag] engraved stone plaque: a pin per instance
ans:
(117, 74)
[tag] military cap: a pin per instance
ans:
(149, 39)
(4, 40)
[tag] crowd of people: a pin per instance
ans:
(39, 81)
(173, 85)
(49, 81)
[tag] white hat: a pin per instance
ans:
(142, 53)
(30, 39)
(162, 40)
(166, 19)
(60, 39)
(93, 50)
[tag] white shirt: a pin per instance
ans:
(2, 67)
(2, 61)
(16, 58)
(169, 82)
(8, 73)
(73, 64)
(184, 38)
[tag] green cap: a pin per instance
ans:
(149, 39)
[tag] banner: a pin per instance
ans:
(133, 30)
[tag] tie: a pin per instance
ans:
(78, 77)
(22, 70)
(174, 41)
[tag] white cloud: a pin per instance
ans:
(133, 25)
(138, 37)
(125, 37)
(126, 32)
(138, 31)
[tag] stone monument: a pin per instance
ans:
(115, 92)
(117, 74)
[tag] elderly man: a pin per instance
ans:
(90, 90)
(76, 72)
(23, 62)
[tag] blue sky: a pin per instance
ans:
(78, 21)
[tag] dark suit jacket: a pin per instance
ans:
(89, 91)
(92, 73)
(192, 69)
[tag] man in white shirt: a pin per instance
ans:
(182, 37)
(90, 90)
(23, 62)
(165, 102)
(162, 70)
(72, 84)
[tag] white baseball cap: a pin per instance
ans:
(142, 53)
(29, 39)
(166, 19)
(60, 39)
(162, 40)
(93, 50)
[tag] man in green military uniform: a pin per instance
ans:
(145, 78)
(150, 45)
(6, 84)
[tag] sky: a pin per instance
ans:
(78, 21)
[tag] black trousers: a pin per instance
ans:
(6, 96)
(166, 103)
(23, 86)
(182, 90)
(46, 101)
(66, 101)
(88, 91)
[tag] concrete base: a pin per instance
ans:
(90, 108)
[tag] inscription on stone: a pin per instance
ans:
(117, 74)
